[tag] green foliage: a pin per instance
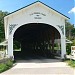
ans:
(6, 66)
(73, 32)
(68, 48)
(72, 63)
(73, 44)
(69, 27)
(2, 15)
(3, 67)
(9, 63)
(70, 34)
(16, 45)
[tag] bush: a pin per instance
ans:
(68, 48)
(9, 63)
(3, 67)
(6, 66)
(72, 63)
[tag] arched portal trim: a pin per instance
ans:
(17, 26)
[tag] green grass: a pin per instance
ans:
(6, 66)
(3, 67)
(9, 63)
(71, 63)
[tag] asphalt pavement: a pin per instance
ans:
(40, 67)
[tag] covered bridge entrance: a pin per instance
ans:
(37, 40)
(38, 29)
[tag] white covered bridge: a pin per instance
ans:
(38, 28)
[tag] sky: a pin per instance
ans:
(66, 7)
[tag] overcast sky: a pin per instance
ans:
(66, 7)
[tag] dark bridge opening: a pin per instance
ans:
(37, 40)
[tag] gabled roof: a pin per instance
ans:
(41, 3)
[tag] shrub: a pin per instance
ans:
(9, 63)
(68, 48)
(72, 63)
(3, 67)
(6, 66)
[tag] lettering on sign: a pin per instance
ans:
(37, 15)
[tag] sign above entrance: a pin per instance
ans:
(37, 15)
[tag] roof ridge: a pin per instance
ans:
(41, 3)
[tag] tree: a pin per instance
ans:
(73, 33)
(2, 15)
(70, 34)
(69, 28)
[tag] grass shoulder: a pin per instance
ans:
(6, 66)
(71, 63)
